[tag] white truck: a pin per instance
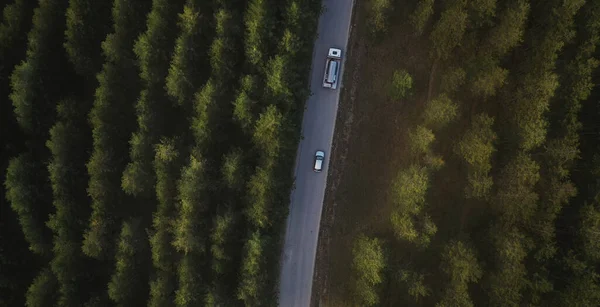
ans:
(332, 68)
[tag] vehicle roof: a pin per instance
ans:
(319, 164)
(334, 52)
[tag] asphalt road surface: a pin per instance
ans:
(306, 204)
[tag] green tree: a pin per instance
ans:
(260, 194)
(69, 142)
(368, 264)
(589, 232)
(35, 88)
(204, 116)
(42, 291)
(415, 282)
(428, 230)
(210, 125)
(404, 226)
(191, 284)
(409, 222)
(267, 133)
(482, 11)
(222, 229)
(233, 170)
(188, 235)
(459, 261)
(583, 290)
(35, 91)
(245, 105)
(402, 84)
(562, 147)
(448, 31)
(516, 199)
(420, 140)
(128, 285)
(488, 80)
(167, 163)
(27, 199)
(582, 282)
(507, 282)
(538, 82)
(421, 15)
(460, 264)
(111, 123)
(410, 187)
(452, 79)
(162, 289)
(251, 284)
(212, 109)
(300, 20)
(151, 48)
(15, 23)
(476, 148)
(529, 105)
(88, 23)
(189, 64)
(439, 112)
(223, 50)
(258, 21)
(509, 29)
(277, 88)
(379, 11)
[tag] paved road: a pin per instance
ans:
(306, 205)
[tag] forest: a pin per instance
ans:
(147, 148)
(496, 199)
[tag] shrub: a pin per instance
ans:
(402, 84)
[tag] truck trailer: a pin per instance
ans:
(332, 68)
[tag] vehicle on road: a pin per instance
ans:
(332, 68)
(319, 158)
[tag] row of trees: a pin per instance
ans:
(193, 221)
(34, 95)
(157, 148)
(111, 122)
(521, 152)
(409, 218)
(151, 48)
(70, 143)
(15, 23)
(529, 102)
(278, 86)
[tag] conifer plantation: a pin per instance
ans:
(147, 148)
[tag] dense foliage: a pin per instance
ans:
(150, 148)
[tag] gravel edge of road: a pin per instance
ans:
(339, 148)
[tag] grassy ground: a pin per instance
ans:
(369, 148)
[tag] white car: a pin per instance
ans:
(319, 158)
(332, 68)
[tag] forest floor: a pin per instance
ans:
(369, 148)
